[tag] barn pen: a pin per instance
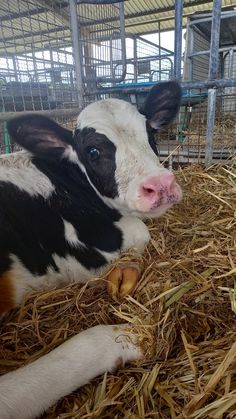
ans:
(55, 58)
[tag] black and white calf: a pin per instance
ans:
(69, 206)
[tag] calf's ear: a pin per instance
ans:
(162, 104)
(40, 135)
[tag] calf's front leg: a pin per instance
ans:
(123, 279)
(30, 390)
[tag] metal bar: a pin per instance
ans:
(45, 32)
(131, 60)
(212, 75)
(208, 14)
(211, 108)
(224, 49)
(28, 50)
(222, 83)
(7, 142)
(207, 84)
(152, 43)
(230, 65)
(77, 50)
(15, 68)
(159, 43)
(99, 1)
(215, 39)
(135, 60)
(225, 15)
(132, 36)
(123, 51)
(178, 39)
(19, 15)
(191, 41)
(123, 43)
(54, 113)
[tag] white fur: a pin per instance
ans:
(135, 233)
(71, 235)
(26, 282)
(71, 155)
(70, 270)
(135, 160)
(29, 391)
(18, 169)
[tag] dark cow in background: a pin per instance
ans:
(69, 206)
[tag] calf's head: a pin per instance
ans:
(114, 146)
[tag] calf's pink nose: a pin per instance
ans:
(158, 187)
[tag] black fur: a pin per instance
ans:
(101, 172)
(40, 135)
(32, 227)
(162, 104)
(151, 132)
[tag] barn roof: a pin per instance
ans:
(144, 16)
(30, 24)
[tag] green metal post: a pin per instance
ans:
(6, 139)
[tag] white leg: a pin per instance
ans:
(135, 233)
(30, 390)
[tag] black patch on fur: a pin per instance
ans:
(101, 172)
(32, 227)
(162, 103)
(40, 135)
(151, 132)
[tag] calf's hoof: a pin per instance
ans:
(122, 280)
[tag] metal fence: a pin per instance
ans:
(209, 64)
(37, 70)
(204, 130)
(57, 56)
(107, 56)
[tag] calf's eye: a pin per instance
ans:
(93, 153)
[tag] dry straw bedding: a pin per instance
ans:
(224, 133)
(184, 310)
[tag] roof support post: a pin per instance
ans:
(212, 75)
(77, 50)
(178, 38)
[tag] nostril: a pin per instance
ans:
(148, 192)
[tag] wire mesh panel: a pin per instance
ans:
(197, 69)
(184, 141)
(229, 71)
(154, 63)
(36, 61)
(147, 61)
(102, 40)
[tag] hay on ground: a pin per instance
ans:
(184, 309)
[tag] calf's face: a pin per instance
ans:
(114, 146)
